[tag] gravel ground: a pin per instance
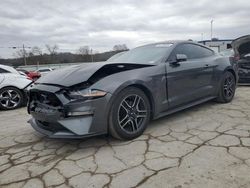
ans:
(205, 146)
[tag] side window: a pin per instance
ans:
(192, 51)
(186, 49)
(3, 71)
(202, 52)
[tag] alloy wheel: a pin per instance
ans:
(229, 87)
(131, 113)
(10, 98)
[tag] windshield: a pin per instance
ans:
(115, 56)
(144, 54)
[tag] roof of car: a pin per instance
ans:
(175, 42)
(9, 68)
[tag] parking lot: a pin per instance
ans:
(205, 146)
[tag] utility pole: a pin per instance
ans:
(23, 51)
(24, 56)
(212, 21)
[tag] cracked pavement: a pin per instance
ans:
(205, 146)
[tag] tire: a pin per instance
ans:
(129, 114)
(11, 98)
(227, 88)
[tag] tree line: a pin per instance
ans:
(51, 55)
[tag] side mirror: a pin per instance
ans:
(181, 57)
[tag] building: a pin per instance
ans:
(217, 45)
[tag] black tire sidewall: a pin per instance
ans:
(18, 91)
(113, 117)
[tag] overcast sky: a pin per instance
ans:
(101, 24)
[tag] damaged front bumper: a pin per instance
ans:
(56, 116)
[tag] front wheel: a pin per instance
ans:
(10, 98)
(130, 114)
(227, 88)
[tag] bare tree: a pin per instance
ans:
(52, 49)
(36, 55)
(120, 47)
(52, 52)
(84, 50)
(20, 53)
(36, 51)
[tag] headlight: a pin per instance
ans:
(86, 94)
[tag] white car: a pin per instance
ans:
(12, 85)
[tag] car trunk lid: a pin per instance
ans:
(241, 45)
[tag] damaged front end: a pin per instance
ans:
(68, 104)
(64, 113)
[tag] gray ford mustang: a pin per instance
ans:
(122, 95)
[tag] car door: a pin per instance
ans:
(189, 80)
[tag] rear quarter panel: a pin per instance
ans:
(223, 64)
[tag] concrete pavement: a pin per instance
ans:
(205, 146)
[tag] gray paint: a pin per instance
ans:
(69, 76)
(79, 126)
(169, 88)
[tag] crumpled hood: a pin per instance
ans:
(92, 72)
(242, 45)
(71, 75)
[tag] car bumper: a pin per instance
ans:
(72, 119)
(42, 129)
(244, 76)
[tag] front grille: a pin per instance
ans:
(45, 98)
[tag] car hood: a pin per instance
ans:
(86, 72)
(242, 45)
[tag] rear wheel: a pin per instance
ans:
(129, 114)
(10, 98)
(227, 88)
